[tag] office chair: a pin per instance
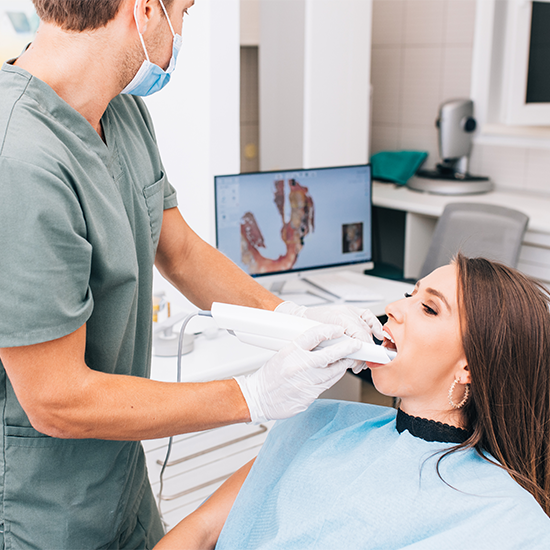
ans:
(476, 230)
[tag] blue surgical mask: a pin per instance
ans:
(151, 78)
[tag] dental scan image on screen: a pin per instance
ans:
(277, 222)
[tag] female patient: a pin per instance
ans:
(463, 463)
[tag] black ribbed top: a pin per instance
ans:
(430, 430)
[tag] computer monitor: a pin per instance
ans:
(283, 224)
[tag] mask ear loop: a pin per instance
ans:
(167, 17)
(139, 32)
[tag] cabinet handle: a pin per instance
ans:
(196, 488)
(261, 429)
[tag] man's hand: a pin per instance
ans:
(357, 322)
(294, 377)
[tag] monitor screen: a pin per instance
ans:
(295, 220)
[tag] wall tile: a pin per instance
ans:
(537, 176)
(425, 22)
(250, 149)
(385, 138)
(389, 19)
(249, 85)
(457, 72)
(460, 22)
(386, 79)
(249, 115)
(421, 85)
(421, 138)
(506, 166)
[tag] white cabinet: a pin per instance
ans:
(423, 210)
(198, 464)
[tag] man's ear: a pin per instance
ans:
(141, 11)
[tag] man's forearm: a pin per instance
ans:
(222, 281)
(129, 408)
(64, 398)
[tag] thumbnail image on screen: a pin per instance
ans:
(273, 222)
(352, 237)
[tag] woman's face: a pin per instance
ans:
(425, 328)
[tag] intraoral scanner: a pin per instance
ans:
(273, 330)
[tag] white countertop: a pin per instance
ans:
(222, 357)
(389, 195)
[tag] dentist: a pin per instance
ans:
(86, 209)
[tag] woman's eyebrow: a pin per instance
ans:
(435, 292)
(440, 296)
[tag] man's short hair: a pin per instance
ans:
(79, 15)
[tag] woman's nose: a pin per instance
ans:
(395, 310)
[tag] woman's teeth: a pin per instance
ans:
(388, 341)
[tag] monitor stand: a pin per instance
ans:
(341, 286)
(303, 297)
(277, 287)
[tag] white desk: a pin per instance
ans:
(423, 210)
(201, 462)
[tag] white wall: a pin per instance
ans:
(337, 82)
(196, 116)
(314, 82)
(281, 61)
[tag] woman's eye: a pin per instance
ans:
(407, 295)
(429, 310)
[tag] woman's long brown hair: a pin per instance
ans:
(505, 323)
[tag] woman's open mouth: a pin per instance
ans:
(388, 341)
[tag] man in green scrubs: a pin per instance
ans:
(85, 211)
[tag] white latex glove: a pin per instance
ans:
(295, 376)
(358, 322)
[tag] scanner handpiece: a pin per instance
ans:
(273, 330)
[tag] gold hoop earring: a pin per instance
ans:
(464, 399)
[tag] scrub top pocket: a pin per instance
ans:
(154, 198)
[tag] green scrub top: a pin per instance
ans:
(79, 226)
